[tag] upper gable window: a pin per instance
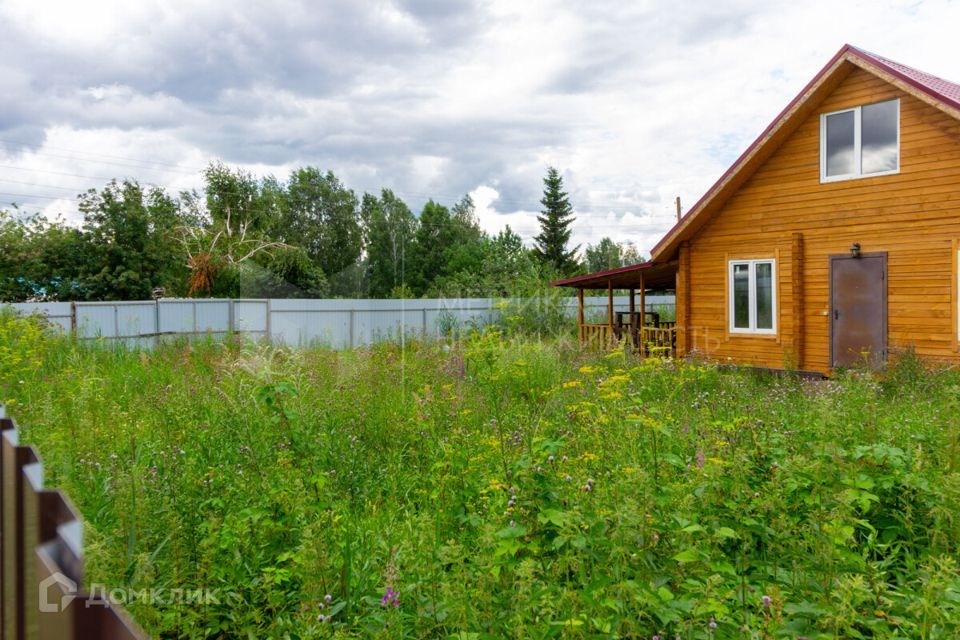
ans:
(860, 142)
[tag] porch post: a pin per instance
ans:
(580, 315)
(684, 337)
(610, 310)
(643, 309)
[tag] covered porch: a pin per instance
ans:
(647, 331)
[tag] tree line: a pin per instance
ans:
(308, 236)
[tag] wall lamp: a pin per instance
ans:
(855, 250)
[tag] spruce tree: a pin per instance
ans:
(555, 220)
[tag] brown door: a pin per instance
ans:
(858, 308)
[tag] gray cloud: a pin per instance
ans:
(636, 101)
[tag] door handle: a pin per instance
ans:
(836, 314)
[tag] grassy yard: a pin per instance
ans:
(499, 487)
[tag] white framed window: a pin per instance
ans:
(860, 142)
(752, 291)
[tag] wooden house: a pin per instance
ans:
(831, 241)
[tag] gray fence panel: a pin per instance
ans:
(136, 319)
(175, 316)
(251, 316)
(60, 314)
(305, 325)
(371, 325)
(96, 321)
(336, 323)
(212, 316)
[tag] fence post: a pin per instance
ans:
(41, 553)
(352, 318)
(5, 425)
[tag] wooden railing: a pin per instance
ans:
(647, 341)
(596, 336)
(41, 558)
(658, 341)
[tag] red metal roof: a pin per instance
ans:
(655, 276)
(937, 88)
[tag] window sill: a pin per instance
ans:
(845, 178)
(752, 334)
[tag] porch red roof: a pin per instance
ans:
(655, 276)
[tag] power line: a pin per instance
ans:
(62, 173)
(80, 156)
(96, 155)
(34, 184)
(88, 158)
(620, 207)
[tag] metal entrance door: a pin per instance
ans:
(858, 310)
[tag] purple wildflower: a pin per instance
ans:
(713, 623)
(390, 597)
(766, 601)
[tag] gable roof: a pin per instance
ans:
(935, 91)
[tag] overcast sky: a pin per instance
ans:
(635, 102)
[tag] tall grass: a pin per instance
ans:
(498, 487)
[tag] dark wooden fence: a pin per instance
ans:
(41, 558)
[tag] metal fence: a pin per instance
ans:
(340, 323)
(41, 558)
